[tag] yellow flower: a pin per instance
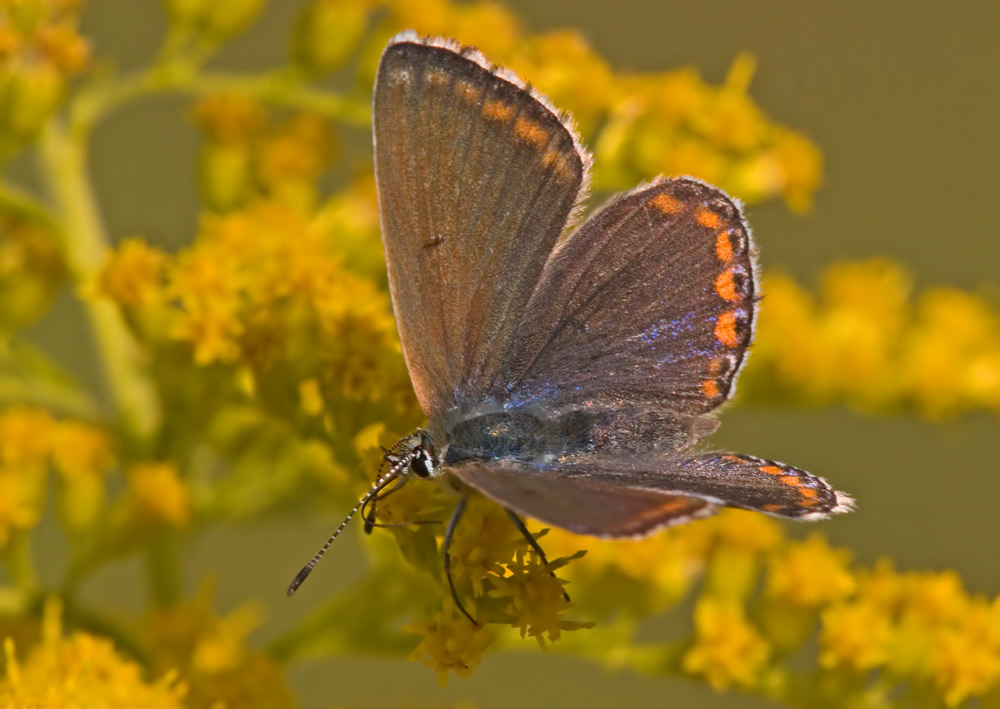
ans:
(81, 670)
(20, 503)
(450, 643)
(229, 119)
(855, 635)
(962, 666)
(25, 437)
(484, 541)
(80, 450)
(727, 649)
(157, 493)
(536, 599)
(810, 574)
(211, 654)
(132, 274)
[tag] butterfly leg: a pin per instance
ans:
(368, 513)
(452, 524)
(519, 523)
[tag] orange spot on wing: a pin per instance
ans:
(808, 493)
(770, 507)
(771, 469)
(560, 163)
(467, 91)
(670, 506)
(497, 110)
(666, 204)
(710, 388)
(792, 480)
(708, 219)
(725, 329)
(732, 458)
(723, 247)
(725, 286)
(531, 131)
(715, 366)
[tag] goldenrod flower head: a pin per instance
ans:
(961, 666)
(536, 599)
(810, 573)
(80, 450)
(20, 503)
(450, 643)
(25, 437)
(855, 635)
(728, 650)
(158, 494)
(483, 542)
(132, 274)
(81, 670)
(211, 654)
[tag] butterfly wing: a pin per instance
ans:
(477, 178)
(649, 304)
(620, 497)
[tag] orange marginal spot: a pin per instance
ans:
(559, 162)
(715, 366)
(708, 219)
(723, 247)
(497, 110)
(725, 329)
(808, 493)
(807, 503)
(732, 458)
(666, 204)
(770, 507)
(531, 131)
(792, 480)
(771, 469)
(467, 91)
(710, 388)
(670, 506)
(725, 286)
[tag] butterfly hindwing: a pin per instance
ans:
(477, 178)
(649, 303)
(579, 504)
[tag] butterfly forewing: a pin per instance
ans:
(477, 179)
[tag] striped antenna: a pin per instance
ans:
(375, 489)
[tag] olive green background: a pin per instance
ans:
(903, 99)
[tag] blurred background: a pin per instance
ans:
(901, 98)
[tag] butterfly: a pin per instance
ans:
(567, 372)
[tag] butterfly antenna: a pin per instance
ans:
(375, 490)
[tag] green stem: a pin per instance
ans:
(281, 88)
(19, 562)
(163, 559)
(63, 163)
(19, 201)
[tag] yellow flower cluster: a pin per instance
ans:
(639, 125)
(81, 670)
(762, 597)
(32, 442)
(867, 341)
(40, 50)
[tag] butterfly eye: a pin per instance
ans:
(422, 465)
